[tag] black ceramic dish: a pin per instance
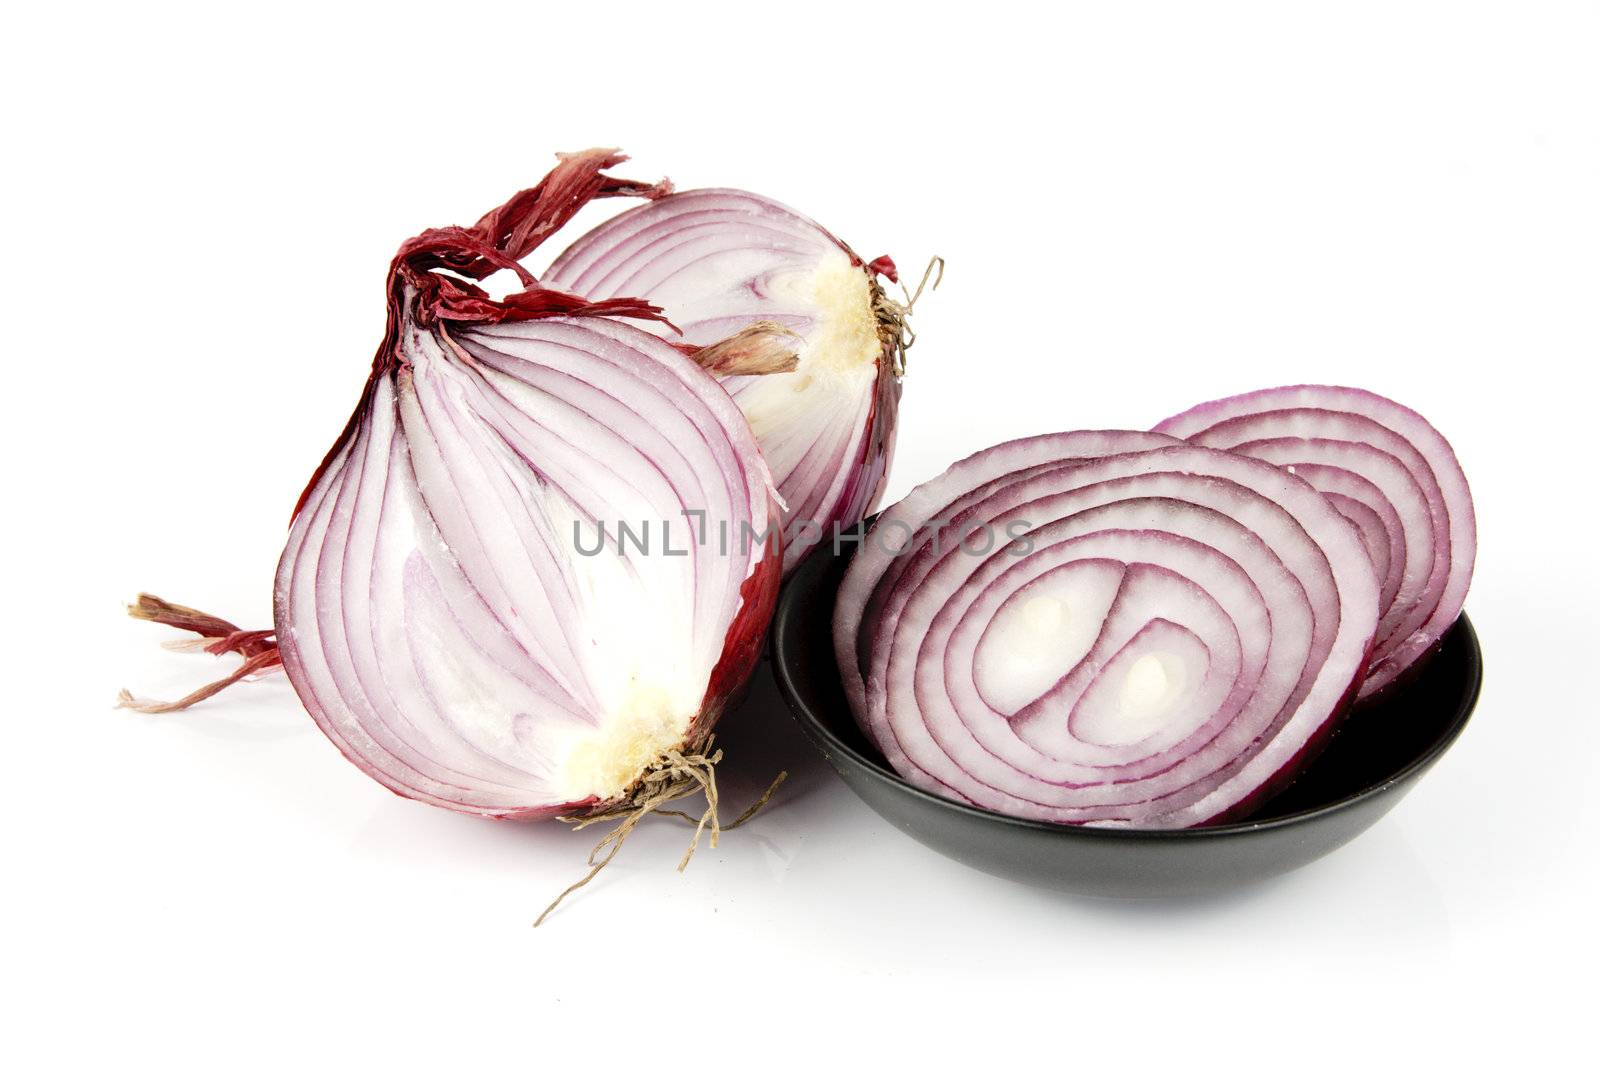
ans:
(1369, 764)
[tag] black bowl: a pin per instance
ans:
(1373, 759)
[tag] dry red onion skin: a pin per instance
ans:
(1386, 467)
(1183, 629)
(717, 260)
(436, 610)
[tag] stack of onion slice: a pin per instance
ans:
(1162, 637)
(1154, 629)
(718, 260)
(1132, 629)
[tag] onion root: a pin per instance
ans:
(676, 775)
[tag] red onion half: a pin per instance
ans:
(517, 583)
(1390, 473)
(1106, 628)
(718, 260)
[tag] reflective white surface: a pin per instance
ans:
(1142, 206)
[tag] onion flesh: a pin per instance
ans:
(719, 260)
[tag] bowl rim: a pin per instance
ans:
(820, 731)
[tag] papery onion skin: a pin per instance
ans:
(1338, 432)
(436, 617)
(1245, 530)
(721, 259)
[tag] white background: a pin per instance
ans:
(1142, 206)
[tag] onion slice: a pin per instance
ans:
(1390, 473)
(721, 260)
(1123, 631)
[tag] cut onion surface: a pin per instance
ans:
(720, 260)
(1106, 628)
(1388, 471)
(436, 609)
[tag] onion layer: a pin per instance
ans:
(510, 590)
(1390, 473)
(718, 260)
(1122, 631)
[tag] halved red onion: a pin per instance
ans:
(718, 260)
(1123, 630)
(1390, 473)
(465, 605)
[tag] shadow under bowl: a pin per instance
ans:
(1373, 759)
